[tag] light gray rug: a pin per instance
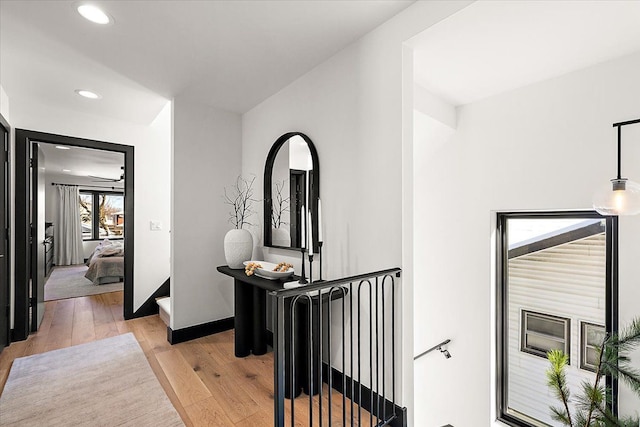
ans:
(69, 282)
(103, 383)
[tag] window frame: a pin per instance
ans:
(584, 344)
(95, 222)
(524, 332)
(502, 309)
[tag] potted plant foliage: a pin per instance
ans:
(591, 406)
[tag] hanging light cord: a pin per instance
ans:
(619, 152)
(619, 126)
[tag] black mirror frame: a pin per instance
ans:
(314, 186)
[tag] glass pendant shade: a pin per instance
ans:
(620, 197)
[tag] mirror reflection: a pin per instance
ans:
(290, 188)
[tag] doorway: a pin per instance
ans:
(31, 235)
(297, 191)
(5, 307)
(83, 221)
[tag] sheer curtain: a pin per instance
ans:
(68, 228)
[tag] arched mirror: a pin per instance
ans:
(291, 181)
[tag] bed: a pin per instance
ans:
(106, 263)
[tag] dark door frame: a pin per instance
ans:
(7, 225)
(23, 142)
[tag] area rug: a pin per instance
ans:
(69, 282)
(102, 383)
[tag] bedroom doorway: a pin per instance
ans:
(83, 221)
(34, 232)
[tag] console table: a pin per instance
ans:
(250, 304)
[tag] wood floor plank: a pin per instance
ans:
(155, 332)
(59, 335)
(103, 321)
(115, 300)
(220, 346)
(209, 412)
(261, 418)
(166, 385)
(101, 312)
(186, 383)
(136, 326)
(83, 329)
(36, 342)
(221, 381)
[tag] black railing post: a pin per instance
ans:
(279, 362)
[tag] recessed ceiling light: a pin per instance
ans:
(88, 94)
(94, 14)
(62, 147)
(66, 170)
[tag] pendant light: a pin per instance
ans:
(621, 196)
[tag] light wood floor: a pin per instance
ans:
(206, 383)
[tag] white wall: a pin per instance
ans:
(152, 178)
(543, 147)
(206, 159)
(4, 104)
(351, 108)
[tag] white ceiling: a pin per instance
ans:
(82, 162)
(491, 47)
(227, 54)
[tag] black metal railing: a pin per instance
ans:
(354, 317)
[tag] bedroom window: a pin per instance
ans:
(554, 269)
(86, 218)
(102, 215)
(591, 338)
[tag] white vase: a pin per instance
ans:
(238, 247)
(280, 237)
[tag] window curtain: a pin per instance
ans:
(68, 228)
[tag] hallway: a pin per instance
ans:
(206, 383)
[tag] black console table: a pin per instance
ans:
(250, 304)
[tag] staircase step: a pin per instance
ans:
(165, 309)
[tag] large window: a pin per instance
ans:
(102, 215)
(554, 271)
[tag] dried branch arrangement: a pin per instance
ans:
(240, 198)
(280, 206)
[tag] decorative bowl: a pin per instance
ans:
(266, 272)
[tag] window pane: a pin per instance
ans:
(111, 215)
(595, 334)
(592, 338)
(546, 326)
(86, 201)
(591, 356)
(554, 277)
(543, 344)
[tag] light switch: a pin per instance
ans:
(155, 225)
